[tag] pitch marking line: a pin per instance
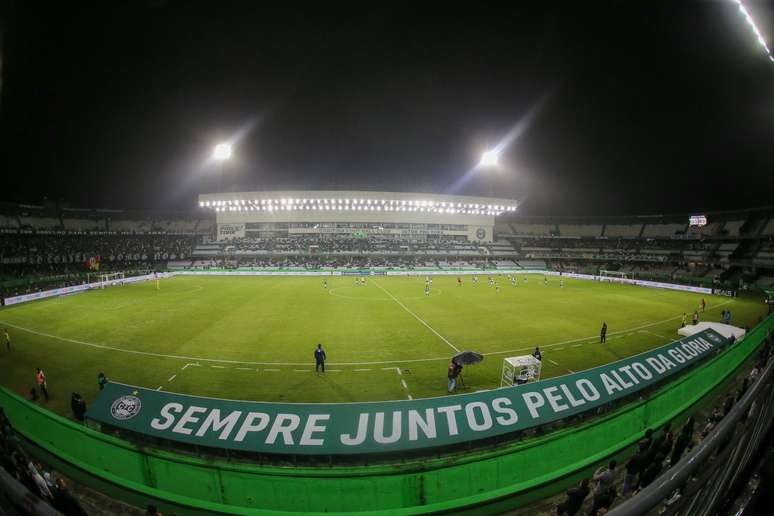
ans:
(244, 368)
(172, 377)
(158, 388)
(656, 334)
(555, 363)
(361, 369)
(455, 348)
(408, 361)
(276, 370)
(403, 383)
(594, 337)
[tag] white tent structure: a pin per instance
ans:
(724, 329)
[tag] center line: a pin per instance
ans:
(416, 316)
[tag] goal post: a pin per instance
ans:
(520, 370)
(110, 279)
(613, 275)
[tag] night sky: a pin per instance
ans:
(634, 107)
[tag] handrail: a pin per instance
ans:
(678, 474)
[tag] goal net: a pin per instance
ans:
(612, 275)
(111, 279)
(520, 370)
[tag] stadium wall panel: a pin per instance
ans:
(486, 481)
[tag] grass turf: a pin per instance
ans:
(253, 337)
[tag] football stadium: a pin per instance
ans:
(333, 343)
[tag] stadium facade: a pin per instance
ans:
(387, 215)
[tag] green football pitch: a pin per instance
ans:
(253, 337)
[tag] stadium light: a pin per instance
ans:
(489, 159)
(222, 152)
(744, 12)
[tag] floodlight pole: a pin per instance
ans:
(221, 154)
(489, 161)
(220, 176)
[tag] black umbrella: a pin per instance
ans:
(467, 358)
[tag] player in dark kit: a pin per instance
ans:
(319, 359)
(603, 333)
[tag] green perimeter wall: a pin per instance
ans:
(483, 481)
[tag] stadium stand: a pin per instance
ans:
(580, 230)
(708, 230)
(626, 230)
(532, 229)
(733, 249)
(8, 222)
(732, 227)
(39, 223)
(83, 225)
(662, 230)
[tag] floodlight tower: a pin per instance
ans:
(220, 154)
